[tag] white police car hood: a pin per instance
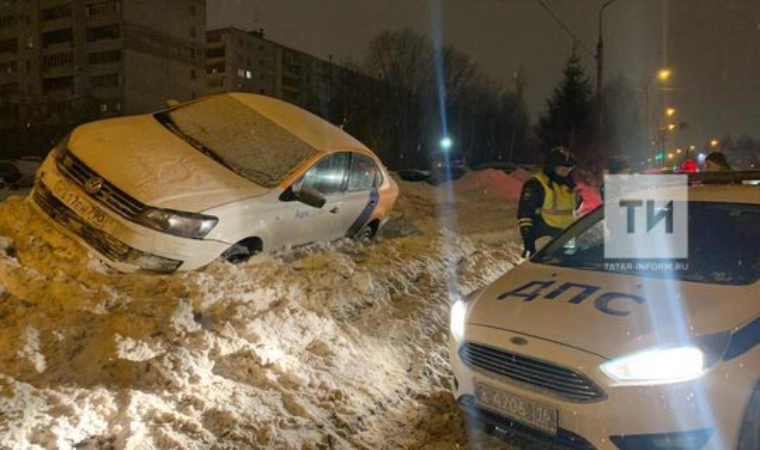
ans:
(609, 314)
(141, 157)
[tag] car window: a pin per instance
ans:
(363, 174)
(724, 246)
(328, 175)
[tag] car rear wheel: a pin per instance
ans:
(368, 232)
(749, 437)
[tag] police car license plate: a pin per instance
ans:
(84, 208)
(527, 412)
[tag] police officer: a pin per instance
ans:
(548, 200)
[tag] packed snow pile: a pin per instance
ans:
(340, 345)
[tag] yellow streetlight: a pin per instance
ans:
(714, 143)
(670, 112)
(670, 156)
(664, 74)
(678, 151)
(671, 127)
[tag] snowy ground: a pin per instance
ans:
(331, 346)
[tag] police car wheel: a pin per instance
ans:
(749, 436)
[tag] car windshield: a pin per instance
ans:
(723, 248)
(240, 138)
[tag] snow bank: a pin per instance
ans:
(335, 345)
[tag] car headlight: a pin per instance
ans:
(189, 225)
(657, 366)
(60, 148)
(457, 319)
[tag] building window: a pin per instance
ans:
(101, 33)
(214, 36)
(58, 60)
(192, 74)
(215, 68)
(9, 46)
(215, 52)
(57, 37)
(105, 81)
(107, 57)
(7, 22)
(192, 10)
(103, 8)
(248, 74)
(8, 67)
(241, 73)
(9, 88)
(104, 107)
(215, 83)
(57, 84)
(55, 13)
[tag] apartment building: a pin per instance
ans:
(245, 61)
(67, 61)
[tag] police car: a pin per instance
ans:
(571, 351)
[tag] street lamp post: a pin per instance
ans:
(600, 67)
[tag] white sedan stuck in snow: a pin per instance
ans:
(572, 351)
(224, 176)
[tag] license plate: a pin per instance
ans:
(527, 412)
(82, 207)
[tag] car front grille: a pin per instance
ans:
(99, 240)
(108, 195)
(532, 373)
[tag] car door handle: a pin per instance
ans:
(334, 210)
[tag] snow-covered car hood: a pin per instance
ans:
(609, 314)
(142, 158)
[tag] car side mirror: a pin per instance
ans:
(542, 241)
(311, 197)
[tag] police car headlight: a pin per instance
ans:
(458, 318)
(657, 366)
(189, 225)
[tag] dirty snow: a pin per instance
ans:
(340, 345)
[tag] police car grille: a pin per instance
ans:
(109, 195)
(533, 373)
(59, 212)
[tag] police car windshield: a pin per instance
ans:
(723, 247)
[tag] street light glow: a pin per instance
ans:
(664, 74)
(714, 143)
(446, 143)
(670, 112)
(671, 127)
(670, 156)
(678, 151)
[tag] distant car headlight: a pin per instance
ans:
(657, 366)
(182, 224)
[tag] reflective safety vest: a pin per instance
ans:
(558, 210)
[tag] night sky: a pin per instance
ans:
(712, 46)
